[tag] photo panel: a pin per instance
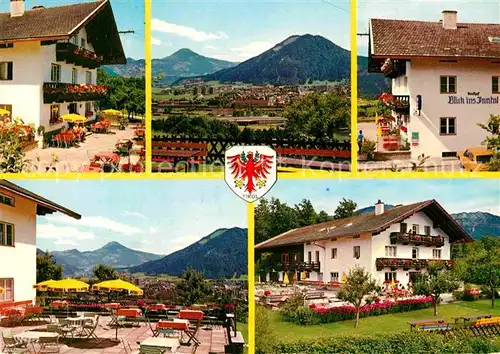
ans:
(428, 86)
(116, 265)
(72, 86)
(220, 81)
(346, 265)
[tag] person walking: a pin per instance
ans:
(361, 138)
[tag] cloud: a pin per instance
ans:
(184, 31)
(252, 49)
(134, 213)
(97, 222)
(63, 235)
(153, 230)
(211, 47)
(155, 41)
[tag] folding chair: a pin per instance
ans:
(151, 350)
(154, 330)
(90, 327)
(127, 348)
(49, 345)
(11, 345)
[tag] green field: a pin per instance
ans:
(378, 324)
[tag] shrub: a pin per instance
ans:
(400, 343)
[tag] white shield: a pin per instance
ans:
(250, 171)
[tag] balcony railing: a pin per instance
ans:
(72, 54)
(417, 240)
(54, 92)
(299, 266)
(408, 263)
(398, 103)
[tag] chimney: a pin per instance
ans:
(16, 8)
(379, 207)
(449, 19)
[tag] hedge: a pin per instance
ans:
(316, 315)
(400, 343)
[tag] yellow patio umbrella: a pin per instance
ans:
(118, 285)
(303, 275)
(44, 284)
(73, 118)
(4, 112)
(285, 279)
(2, 290)
(393, 284)
(111, 112)
(68, 285)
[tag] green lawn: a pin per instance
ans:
(377, 324)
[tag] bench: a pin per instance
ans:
(297, 157)
(174, 152)
(414, 324)
(486, 327)
(435, 327)
(470, 318)
(315, 295)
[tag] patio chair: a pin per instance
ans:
(11, 345)
(151, 350)
(90, 327)
(53, 319)
(64, 329)
(49, 345)
(127, 348)
(153, 329)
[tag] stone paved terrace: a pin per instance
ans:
(71, 159)
(212, 340)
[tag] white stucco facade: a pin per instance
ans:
(31, 68)
(18, 262)
(472, 103)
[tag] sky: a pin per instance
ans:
(149, 215)
(455, 195)
(482, 11)
(237, 30)
(129, 15)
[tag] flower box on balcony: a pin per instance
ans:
(61, 92)
(72, 54)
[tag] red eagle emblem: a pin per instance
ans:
(250, 171)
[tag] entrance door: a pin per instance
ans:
(73, 108)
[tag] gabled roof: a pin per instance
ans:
(370, 223)
(399, 39)
(62, 22)
(44, 206)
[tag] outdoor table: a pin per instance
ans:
(129, 312)
(107, 157)
(191, 315)
(157, 307)
(413, 324)
(181, 325)
(90, 168)
(170, 344)
(59, 303)
(113, 305)
(469, 318)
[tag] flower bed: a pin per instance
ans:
(319, 314)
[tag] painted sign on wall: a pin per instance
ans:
(414, 138)
(472, 98)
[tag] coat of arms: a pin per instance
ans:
(250, 171)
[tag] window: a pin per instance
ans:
(74, 76)
(427, 230)
(494, 84)
(88, 78)
(403, 228)
(73, 108)
(6, 234)
(334, 253)
(74, 39)
(390, 276)
(415, 228)
(285, 258)
(55, 113)
(5, 199)
(317, 256)
(448, 126)
(448, 84)
(6, 69)
(390, 251)
(82, 43)
(8, 286)
(6, 45)
(414, 252)
(88, 107)
(55, 73)
(356, 251)
(309, 256)
(436, 254)
(334, 276)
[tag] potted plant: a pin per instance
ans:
(367, 149)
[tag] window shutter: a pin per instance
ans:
(10, 70)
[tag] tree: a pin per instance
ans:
(345, 209)
(481, 265)
(12, 134)
(435, 282)
(103, 272)
(493, 141)
(47, 268)
(358, 284)
(193, 287)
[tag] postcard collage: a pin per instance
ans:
(249, 176)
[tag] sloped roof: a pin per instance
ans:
(405, 39)
(369, 223)
(44, 206)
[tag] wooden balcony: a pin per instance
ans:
(55, 92)
(72, 54)
(408, 263)
(416, 239)
(299, 266)
(397, 103)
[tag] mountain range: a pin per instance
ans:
(296, 60)
(133, 68)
